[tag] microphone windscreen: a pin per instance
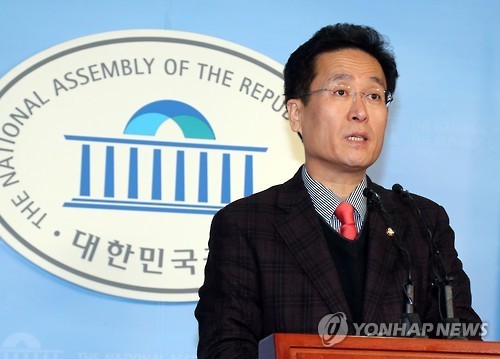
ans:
(396, 187)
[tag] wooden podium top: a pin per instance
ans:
(310, 346)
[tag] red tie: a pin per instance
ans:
(345, 214)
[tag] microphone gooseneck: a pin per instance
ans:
(409, 318)
(438, 267)
(440, 279)
(375, 201)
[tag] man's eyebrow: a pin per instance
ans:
(340, 77)
(378, 80)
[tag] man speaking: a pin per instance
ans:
(329, 239)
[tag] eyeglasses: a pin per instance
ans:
(341, 94)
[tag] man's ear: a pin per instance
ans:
(293, 106)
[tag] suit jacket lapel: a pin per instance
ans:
(301, 231)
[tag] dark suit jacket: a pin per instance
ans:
(269, 269)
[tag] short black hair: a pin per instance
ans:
(300, 68)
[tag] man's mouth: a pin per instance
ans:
(355, 138)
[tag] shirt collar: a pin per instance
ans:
(325, 201)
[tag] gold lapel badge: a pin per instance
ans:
(390, 232)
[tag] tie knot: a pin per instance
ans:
(345, 214)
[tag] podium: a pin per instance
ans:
(310, 346)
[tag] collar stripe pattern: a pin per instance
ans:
(326, 201)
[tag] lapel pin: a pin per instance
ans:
(390, 232)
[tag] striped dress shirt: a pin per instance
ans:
(326, 201)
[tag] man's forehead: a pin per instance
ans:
(348, 65)
(347, 77)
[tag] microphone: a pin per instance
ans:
(405, 194)
(441, 279)
(374, 200)
(398, 189)
(409, 318)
